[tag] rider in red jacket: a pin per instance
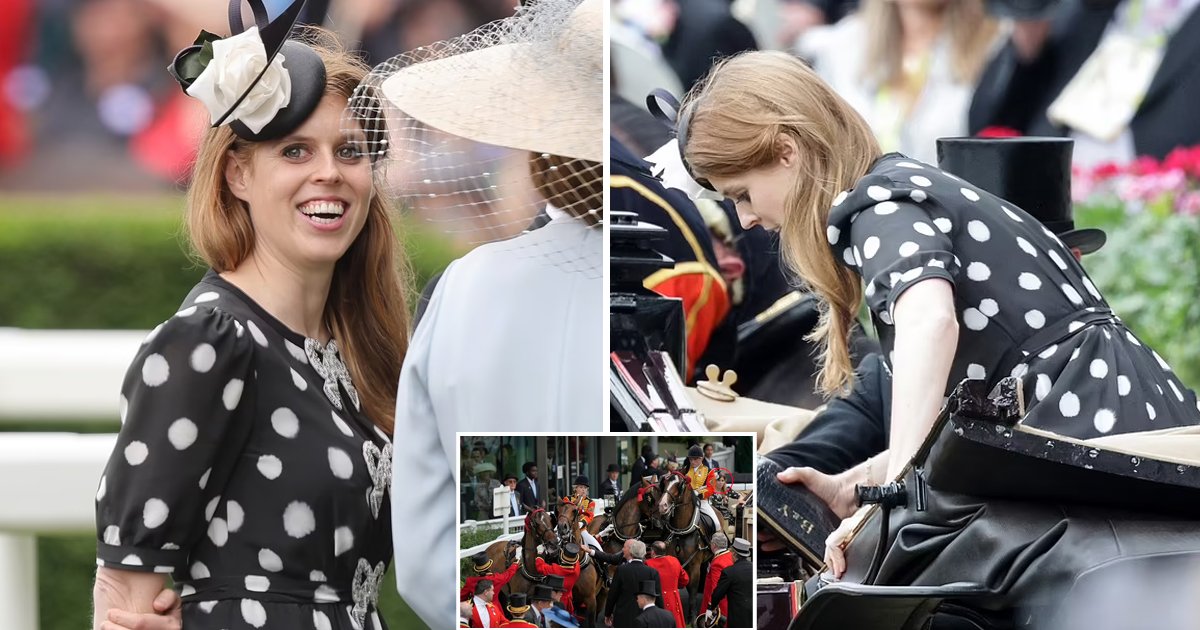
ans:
(483, 566)
(568, 566)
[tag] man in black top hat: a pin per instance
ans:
(611, 486)
(520, 613)
(737, 585)
(651, 616)
(621, 610)
(541, 600)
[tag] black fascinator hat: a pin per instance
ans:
(259, 82)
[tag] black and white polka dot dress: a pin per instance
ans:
(245, 468)
(1025, 306)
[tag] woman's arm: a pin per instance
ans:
(130, 591)
(926, 340)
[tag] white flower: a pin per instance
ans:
(236, 61)
(667, 165)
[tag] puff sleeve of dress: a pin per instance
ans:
(894, 237)
(185, 412)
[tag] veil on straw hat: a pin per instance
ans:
(477, 124)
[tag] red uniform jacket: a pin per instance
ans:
(518, 623)
(495, 615)
(673, 578)
(719, 564)
(570, 577)
(499, 580)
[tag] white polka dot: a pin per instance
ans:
(1178, 394)
(232, 394)
(112, 535)
(885, 208)
(324, 594)
(870, 246)
(340, 463)
(218, 532)
(270, 466)
(269, 560)
(341, 425)
(1073, 326)
(187, 312)
(1132, 339)
(1072, 294)
(257, 583)
(199, 571)
(208, 606)
(1123, 385)
(974, 319)
(837, 201)
(296, 352)
(1042, 389)
(1012, 215)
(320, 621)
(918, 196)
(923, 228)
(211, 508)
(155, 370)
(833, 234)
(136, 453)
(857, 257)
(1027, 247)
(979, 231)
(170, 547)
(1048, 352)
(978, 271)
(976, 372)
(908, 248)
(182, 433)
(186, 589)
(204, 478)
(944, 224)
(1161, 362)
(1091, 288)
(153, 333)
(1035, 319)
(239, 328)
(102, 488)
(207, 296)
(1057, 259)
(343, 540)
(1104, 420)
(1074, 355)
(885, 317)
(1098, 368)
(257, 334)
(921, 181)
(235, 515)
(316, 576)
(154, 513)
(298, 519)
(848, 256)
(132, 560)
(870, 290)
(908, 165)
(879, 193)
(203, 358)
(911, 274)
(969, 194)
(254, 613)
(936, 263)
(1150, 411)
(989, 307)
(123, 408)
(285, 422)
(1069, 405)
(1029, 282)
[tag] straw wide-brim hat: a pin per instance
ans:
(534, 81)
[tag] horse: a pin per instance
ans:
(678, 509)
(539, 530)
(587, 588)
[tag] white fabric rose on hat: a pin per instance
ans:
(236, 62)
(667, 165)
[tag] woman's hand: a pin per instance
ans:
(167, 615)
(835, 545)
(837, 491)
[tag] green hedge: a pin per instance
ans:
(94, 263)
(120, 264)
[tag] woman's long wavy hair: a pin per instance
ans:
(736, 120)
(971, 30)
(367, 307)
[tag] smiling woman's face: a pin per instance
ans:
(759, 194)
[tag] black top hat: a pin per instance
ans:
(742, 547)
(482, 562)
(569, 555)
(1033, 173)
(555, 583)
(517, 604)
(305, 70)
(695, 451)
(510, 476)
(614, 468)
(582, 480)
(648, 587)
(541, 593)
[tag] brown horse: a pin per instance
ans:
(678, 510)
(539, 530)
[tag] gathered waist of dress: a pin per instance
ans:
(1053, 333)
(362, 591)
